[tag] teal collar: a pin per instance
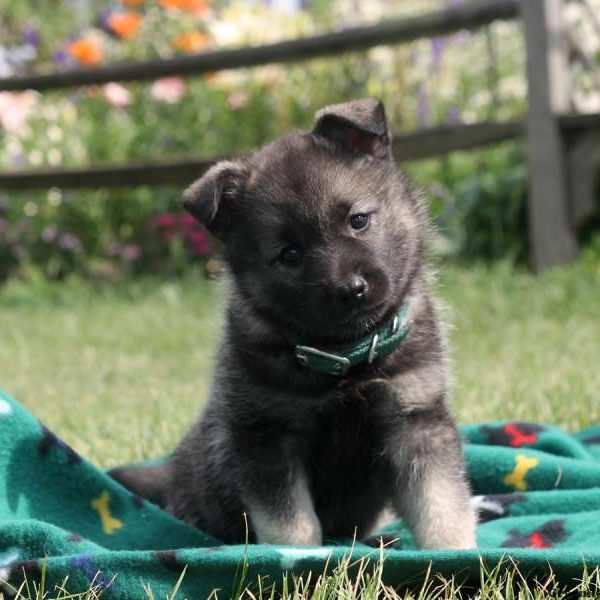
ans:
(337, 360)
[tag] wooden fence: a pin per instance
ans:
(551, 132)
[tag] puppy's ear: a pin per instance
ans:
(211, 197)
(360, 127)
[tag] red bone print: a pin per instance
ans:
(537, 540)
(546, 536)
(518, 437)
(514, 435)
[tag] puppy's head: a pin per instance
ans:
(322, 232)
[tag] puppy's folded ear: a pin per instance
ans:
(212, 197)
(360, 127)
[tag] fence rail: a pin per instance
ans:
(470, 15)
(410, 146)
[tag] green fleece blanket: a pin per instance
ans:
(538, 492)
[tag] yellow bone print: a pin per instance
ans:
(109, 523)
(524, 464)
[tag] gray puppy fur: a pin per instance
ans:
(310, 456)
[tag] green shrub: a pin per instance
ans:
(480, 203)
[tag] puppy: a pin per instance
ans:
(329, 397)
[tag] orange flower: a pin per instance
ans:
(193, 41)
(196, 7)
(211, 77)
(132, 3)
(86, 51)
(124, 24)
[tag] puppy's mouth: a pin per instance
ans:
(334, 329)
(364, 317)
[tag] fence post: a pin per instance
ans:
(552, 238)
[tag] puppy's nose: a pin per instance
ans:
(355, 289)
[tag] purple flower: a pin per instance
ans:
(115, 249)
(17, 159)
(61, 58)
(437, 49)
(103, 17)
(453, 115)
(422, 106)
(49, 233)
(31, 37)
(68, 241)
(462, 36)
(131, 252)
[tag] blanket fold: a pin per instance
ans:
(537, 490)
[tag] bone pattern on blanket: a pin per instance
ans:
(540, 509)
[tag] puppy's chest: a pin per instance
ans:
(347, 442)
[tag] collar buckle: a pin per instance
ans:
(323, 362)
(373, 349)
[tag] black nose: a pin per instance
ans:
(355, 289)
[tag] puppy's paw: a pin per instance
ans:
(304, 530)
(457, 536)
(300, 527)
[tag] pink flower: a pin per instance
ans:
(200, 242)
(188, 222)
(131, 252)
(115, 249)
(117, 95)
(237, 100)
(166, 220)
(68, 241)
(49, 233)
(168, 89)
(15, 108)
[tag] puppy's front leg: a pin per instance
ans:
(281, 508)
(431, 489)
(433, 495)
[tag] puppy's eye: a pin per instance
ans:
(359, 220)
(291, 255)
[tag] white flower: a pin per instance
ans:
(54, 157)
(15, 108)
(55, 134)
(117, 95)
(168, 89)
(225, 33)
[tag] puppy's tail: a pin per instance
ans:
(150, 482)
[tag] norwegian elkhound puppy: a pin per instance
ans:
(329, 398)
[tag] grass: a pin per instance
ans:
(363, 580)
(121, 372)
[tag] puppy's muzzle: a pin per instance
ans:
(353, 291)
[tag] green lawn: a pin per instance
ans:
(121, 372)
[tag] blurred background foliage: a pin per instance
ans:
(477, 198)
